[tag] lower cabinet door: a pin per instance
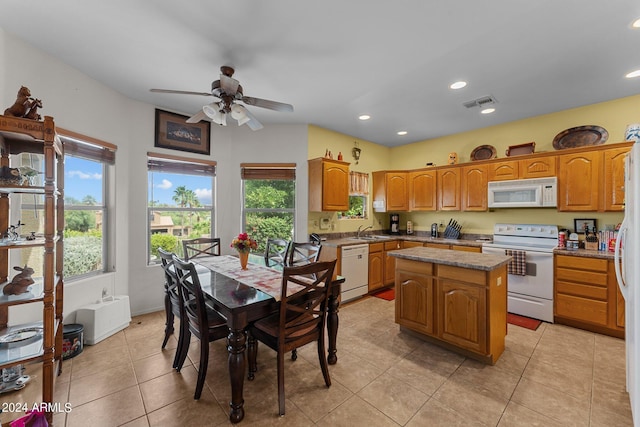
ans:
(414, 301)
(461, 320)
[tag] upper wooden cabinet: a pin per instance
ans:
(614, 178)
(579, 181)
(423, 190)
(532, 167)
(328, 185)
(448, 184)
(390, 191)
(474, 187)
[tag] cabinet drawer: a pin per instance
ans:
(461, 274)
(376, 247)
(580, 290)
(410, 244)
(583, 309)
(466, 248)
(390, 246)
(580, 263)
(582, 276)
(437, 245)
(414, 266)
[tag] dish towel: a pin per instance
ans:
(518, 265)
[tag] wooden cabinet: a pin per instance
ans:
(376, 266)
(613, 182)
(390, 191)
(537, 167)
(585, 295)
(44, 254)
(411, 244)
(423, 190)
(328, 185)
(459, 307)
(474, 187)
(454, 247)
(448, 193)
(390, 262)
(415, 306)
(579, 181)
(531, 167)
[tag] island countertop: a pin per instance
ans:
(471, 260)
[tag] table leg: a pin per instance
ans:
(332, 327)
(236, 344)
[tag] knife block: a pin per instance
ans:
(591, 246)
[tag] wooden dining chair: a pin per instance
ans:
(303, 253)
(300, 320)
(201, 321)
(275, 253)
(172, 302)
(201, 246)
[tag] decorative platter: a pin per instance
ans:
(20, 335)
(580, 136)
(483, 152)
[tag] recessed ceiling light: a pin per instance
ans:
(636, 23)
(487, 110)
(364, 117)
(402, 132)
(633, 74)
(458, 85)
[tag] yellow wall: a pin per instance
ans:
(614, 116)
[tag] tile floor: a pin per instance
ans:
(555, 376)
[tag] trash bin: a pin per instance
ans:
(72, 340)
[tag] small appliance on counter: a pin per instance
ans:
(395, 224)
(434, 230)
(409, 227)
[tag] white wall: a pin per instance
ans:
(83, 105)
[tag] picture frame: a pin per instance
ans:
(173, 132)
(580, 223)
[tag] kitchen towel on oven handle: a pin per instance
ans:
(518, 264)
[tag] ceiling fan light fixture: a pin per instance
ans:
(210, 110)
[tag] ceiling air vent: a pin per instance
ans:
(480, 102)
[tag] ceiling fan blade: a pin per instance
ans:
(265, 103)
(253, 123)
(180, 92)
(200, 115)
(229, 85)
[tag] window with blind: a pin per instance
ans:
(88, 163)
(180, 202)
(268, 197)
(358, 196)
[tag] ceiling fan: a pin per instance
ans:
(229, 91)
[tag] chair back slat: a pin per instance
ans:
(192, 297)
(202, 246)
(276, 252)
(304, 313)
(170, 281)
(303, 253)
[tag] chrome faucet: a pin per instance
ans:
(361, 231)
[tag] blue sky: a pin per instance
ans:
(84, 177)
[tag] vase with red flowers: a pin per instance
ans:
(244, 244)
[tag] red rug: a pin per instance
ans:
(525, 322)
(386, 294)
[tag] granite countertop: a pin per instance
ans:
(345, 241)
(584, 253)
(471, 260)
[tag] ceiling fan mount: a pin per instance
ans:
(229, 91)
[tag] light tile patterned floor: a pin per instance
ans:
(555, 376)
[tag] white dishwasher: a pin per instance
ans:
(355, 270)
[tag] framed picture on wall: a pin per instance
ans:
(580, 225)
(173, 132)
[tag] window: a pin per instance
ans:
(358, 192)
(180, 202)
(268, 194)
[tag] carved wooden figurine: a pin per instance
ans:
(25, 106)
(20, 281)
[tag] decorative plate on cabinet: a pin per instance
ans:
(483, 152)
(581, 136)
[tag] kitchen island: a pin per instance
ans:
(455, 299)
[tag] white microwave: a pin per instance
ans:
(524, 193)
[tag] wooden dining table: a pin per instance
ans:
(244, 296)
